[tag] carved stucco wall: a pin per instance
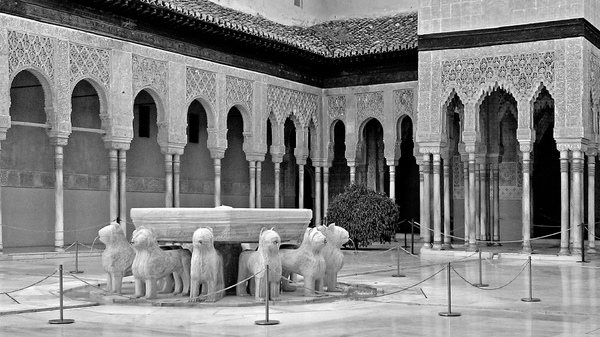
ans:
(521, 69)
(285, 102)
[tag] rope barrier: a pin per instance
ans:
(29, 286)
(55, 231)
(413, 285)
(225, 289)
(512, 241)
(487, 288)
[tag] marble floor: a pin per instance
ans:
(405, 306)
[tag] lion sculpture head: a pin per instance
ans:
(203, 238)
(111, 233)
(314, 239)
(142, 238)
(335, 235)
(269, 241)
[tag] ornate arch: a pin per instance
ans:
(105, 118)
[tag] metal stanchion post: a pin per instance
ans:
(583, 244)
(76, 271)
(412, 237)
(530, 298)
(449, 313)
(61, 320)
(398, 260)
(480, 284)
(266, 321)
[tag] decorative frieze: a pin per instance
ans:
(284, 102)
(369, 104)
(336, 107)
(594, 75)
(89, 62)
(519, 73)
(147, 72)
(30, 50)
(201, 83)
(403, 102)
(239, 91)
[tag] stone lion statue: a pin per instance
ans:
(307, 261)
(254, 262)
(152, 263)
(207, 267)
(334, 258)
(117, 257)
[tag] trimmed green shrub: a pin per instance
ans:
(367, 215)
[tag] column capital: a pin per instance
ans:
(217, 153)
(571, 145)
(172, 148)
(253, 156)
(115, 143)
(59, 139)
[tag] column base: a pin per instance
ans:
(564, 251)
(472, 247)
(497, 244)
(59, 249)
(590, 250)
(426, 246)
(437, 246)
(526, 249)
(447, 246)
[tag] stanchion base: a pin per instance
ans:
(481, 285)
(265, 322)
(61, 321)
(449, 314)
(531, 299)
(76, 272)
(398, 275)
(583, 261)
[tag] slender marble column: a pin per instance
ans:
(477, 201)
(258, 184)
(447, 212)
(277, 178)
(113, 163)
(564, 202)
(1, 238)
(437, 204)
(176, 176)
(496, 203)
(325, 190)
(577, 202)
(317, 195)
(123, 189)
(59, 224)
(168, 180)
(526, 203)
(352, 174)
(484, 197)
(591, 203)
(425, 201)
(422, 202)
(467, 207)
(252, 196)
(472, 204)
(392, 181)
(217, 164)
(300, 185)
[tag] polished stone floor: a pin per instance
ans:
(405, 306)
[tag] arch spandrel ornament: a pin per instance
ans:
(30, 51)
(404, 102)
(336, 107)
(369, 105)
(201, 83)
(240, 92)
(149, 73)
(284, 103)
(89, 62)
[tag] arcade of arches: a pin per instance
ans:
(488, 143)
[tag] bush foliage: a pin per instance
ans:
(367, 215)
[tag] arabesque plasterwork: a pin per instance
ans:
(201, 83)
(284, 102)
(594, 78)
(404, 102)
(336, 107)
(91, 62)
(147, 72)
(30, 50)
(369, 104)
(239, 91)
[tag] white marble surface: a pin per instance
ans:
(569, 293)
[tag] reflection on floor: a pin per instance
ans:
(405, 306)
